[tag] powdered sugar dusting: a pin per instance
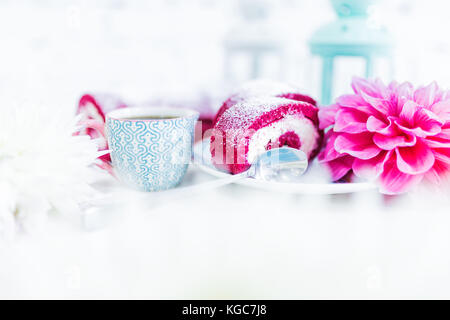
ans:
(244, 113)
(263, 88)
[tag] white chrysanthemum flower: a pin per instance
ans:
(43, 166)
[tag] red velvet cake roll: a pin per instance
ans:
(258, 88)
(250, 127)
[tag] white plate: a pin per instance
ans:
(315, 181)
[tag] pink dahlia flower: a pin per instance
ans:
(395, 134)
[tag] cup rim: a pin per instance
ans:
(122, 113)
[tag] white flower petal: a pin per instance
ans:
(43, 163)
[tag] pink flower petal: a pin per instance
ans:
(442, 155)
(355, 102)
(358, 145)
(393, 85)
(441, 167)
(401, 94)
(405, 90)
(361, 85)
(416, 159)
(340, 167)
(445, 95)
(327, 116)
(428, 121)
(407, 113)
(382, 89)
(350, 121)
(329, 153)
(393, 181)
(442, 110)
(439, 172)
(435, 142)
(391, 142)
(441, 140)
(425, 123)
(376, 125)
(419, 132)
(444, 134)
(372, 168)
(425, 96)
(381, 105)
(338, 164)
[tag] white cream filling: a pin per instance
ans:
(301, 126)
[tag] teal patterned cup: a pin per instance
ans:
(151, 147)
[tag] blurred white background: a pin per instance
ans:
(52, 51)
(233, 242)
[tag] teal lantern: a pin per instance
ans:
(351, 35)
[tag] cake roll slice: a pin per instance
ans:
(250, 127)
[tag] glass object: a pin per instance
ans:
(281, 165)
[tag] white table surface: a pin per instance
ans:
(236, 242)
